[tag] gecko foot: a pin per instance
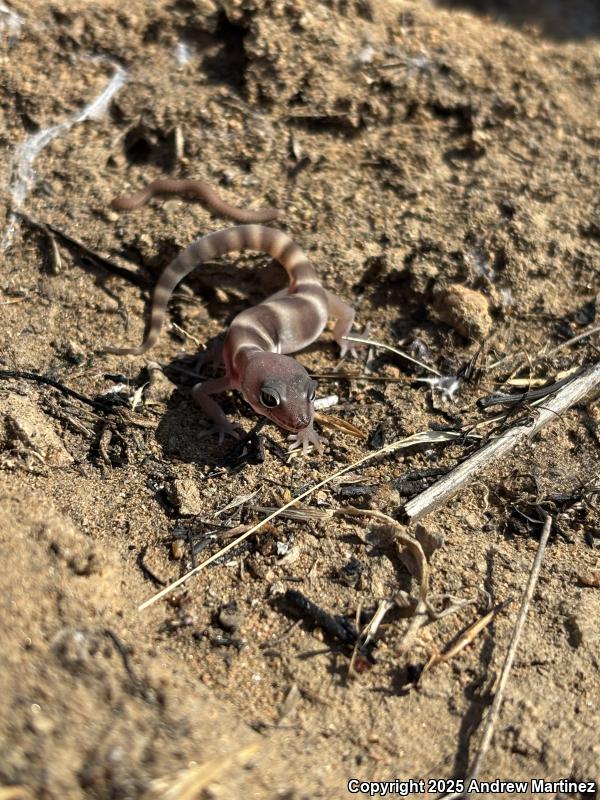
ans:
(225, 429)
(305, 438)
(349, 348)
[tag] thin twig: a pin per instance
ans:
(178, 329)
(571, 341)
(146, 571)
(145, 692)
(466, 637)
(369, 632)
(101, 261)
(440, 492)
(395, 350)
(512, 649)
(543, 355)
(67, 391)
(529, 397)
(356, 376)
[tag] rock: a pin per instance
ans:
(27, 430)
(423, 271)
(41, 724)
(208, 9)
(583, 622)
(465, 310)
(230, 619)
(177, 549)
(591, 579)
(159, 388)
(71, 351)
(277, 589)
(185, 494)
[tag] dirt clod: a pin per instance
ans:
(185, 494)
(465, 310)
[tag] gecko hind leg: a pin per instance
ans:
(200, 395)
(344, 314)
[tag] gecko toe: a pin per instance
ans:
(305, 438)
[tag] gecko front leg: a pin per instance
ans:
(200, 395)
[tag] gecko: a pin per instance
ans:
(258, 343)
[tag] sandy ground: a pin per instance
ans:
(440, 168)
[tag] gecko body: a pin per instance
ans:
(260, 339)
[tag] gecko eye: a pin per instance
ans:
(312, 391)
(269, 398)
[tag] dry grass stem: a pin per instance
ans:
(369, 632)
(546, 354)
(340, 425)
(409, 441)
(298, 513)
(189, 783)
(237, 501)
(571, 341)
(185, 335)
(15, 793)
(395, 350)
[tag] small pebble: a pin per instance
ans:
(185, 494)
(177, 550)
(230, 618)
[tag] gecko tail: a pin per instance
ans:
(237, 239)
(203, 192)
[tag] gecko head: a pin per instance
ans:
(278, 387)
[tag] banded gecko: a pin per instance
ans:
(259, 339)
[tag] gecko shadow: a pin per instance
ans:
(556, 19)
(476, 693)
(184, 433)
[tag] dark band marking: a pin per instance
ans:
(303, 278)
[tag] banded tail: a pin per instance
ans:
(230, 240)
(203, 192)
